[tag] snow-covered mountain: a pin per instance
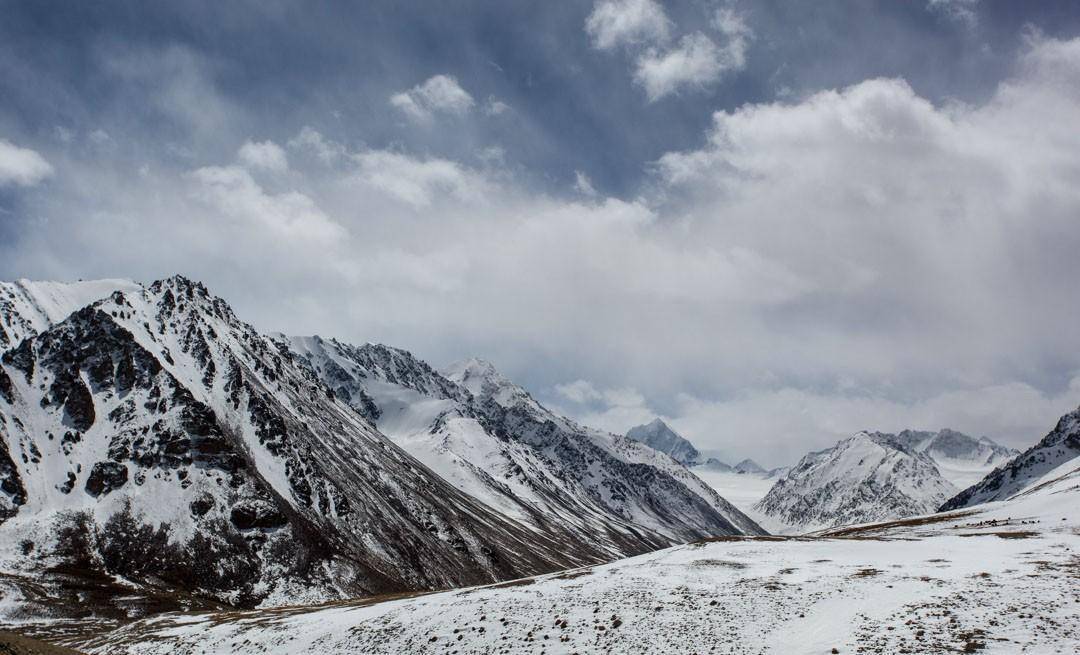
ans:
(961, 459)
(154, 436)
(751, 467)
(713, 464)
(866, 477)
(1057, 448)
(659, 436)
(491, 439)
(28, 307)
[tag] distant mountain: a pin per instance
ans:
(1061, 445)
(866, 477)
(778, 472)
(491, 439)
(961, 459)
(751, 467)
(658, 436)
(713, 464)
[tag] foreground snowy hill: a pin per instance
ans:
(998, 579)
(156, 437)
(491, 439)
(1060, 446)
(659, 436)
(866, 477)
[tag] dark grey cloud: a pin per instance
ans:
(862, 216)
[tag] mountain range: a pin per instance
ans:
(658, 435)
(148, 433)
(866, 477)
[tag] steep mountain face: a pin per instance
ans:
(867, 477)
(1061, 445)
(659, 436)
(629, 478)
(520, 459)
(751, 467)
(961, 459)
(155, 436)
(778, 472)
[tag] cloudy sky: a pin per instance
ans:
(773, 223)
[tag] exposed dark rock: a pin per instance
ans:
(202, 505)
(22, 358)
(79, 406)
(10, 484)
(105, 477)
(256, 514)
(7, 389)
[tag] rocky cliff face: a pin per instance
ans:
(155, 436)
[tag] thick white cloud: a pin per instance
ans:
(439, 94)
(265, 155)
(21, 166)
(856, 258)
(765, 425)
(697, 61)
(620, 22)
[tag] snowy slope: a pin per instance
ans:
(1000, 579)
(962, 460)
(627, 477)
(467, 440)
(1060, 446)
(28, 307)
(866, 477)
(659, 436)
(741, 489)
(155, 436)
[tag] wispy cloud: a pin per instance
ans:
(21, 166)
(613, 23)
(440, 94)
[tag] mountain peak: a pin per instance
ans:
(749, 466)
(866, 477)
(484, 381)
(658, 435)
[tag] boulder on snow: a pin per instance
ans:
(105, 477)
